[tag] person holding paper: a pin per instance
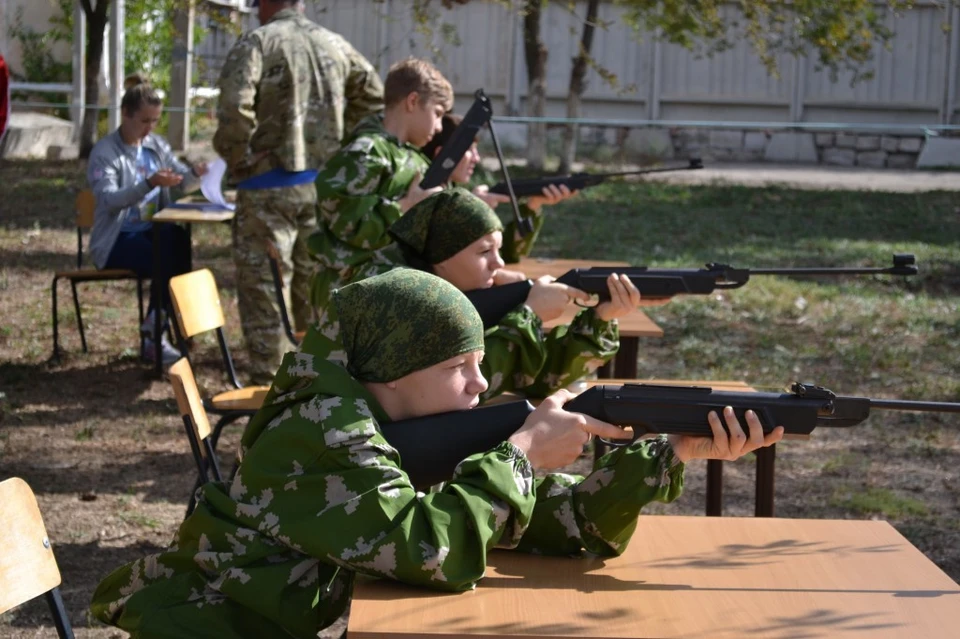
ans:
(130, 172)
(289, 90)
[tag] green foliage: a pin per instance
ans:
(840, 35)
(37, 47)
(878, 501)
(150, 34)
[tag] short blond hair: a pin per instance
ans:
(415, 75)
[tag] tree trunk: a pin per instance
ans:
(578, 85)
(96, 25)
(535, 54)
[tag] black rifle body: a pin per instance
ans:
(431, 447)
(578, 181)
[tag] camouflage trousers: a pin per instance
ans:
(286, 217)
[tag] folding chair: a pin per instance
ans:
(85, 206)
(275, 269)
(196, 424)
(196, 305)
(28, 568)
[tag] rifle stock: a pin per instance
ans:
(495, 302)
(478, 115)
(431, 447)
(578, 181)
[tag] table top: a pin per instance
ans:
(727, 385)
(689, 577)
(195, 215)
(636, 324)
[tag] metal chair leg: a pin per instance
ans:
(59, 612)
(76, 306)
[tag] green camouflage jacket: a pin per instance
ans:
(290, 89)
(321, 496)
(357, 193)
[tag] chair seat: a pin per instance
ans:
(90, 274)
(249, 398)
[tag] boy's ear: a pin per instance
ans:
(412, 101)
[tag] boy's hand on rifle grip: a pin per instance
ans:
(415, 194)
(552, 194)
(553, 437)
(548, 299)
(482, 191)
(729, 444)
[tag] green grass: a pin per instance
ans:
(878, 501)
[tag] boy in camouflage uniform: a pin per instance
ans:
(375, 177)
(288, 92)
(321, 495)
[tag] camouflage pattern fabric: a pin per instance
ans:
(321, 496)
(444, 224)
(289, 91)
(516, 246)
(404, 321)
(285, 216)
(357, 193)
(521, 359)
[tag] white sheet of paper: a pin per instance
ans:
(210, 184)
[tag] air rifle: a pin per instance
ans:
(478, 115)
(661, 283)
(431, 447)
(578, 181)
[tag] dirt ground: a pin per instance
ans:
(100, 441)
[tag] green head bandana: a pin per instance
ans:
(404, 321)
(444, 224)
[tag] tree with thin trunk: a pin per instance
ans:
(97, 17)
(578, 84)
(535, 54)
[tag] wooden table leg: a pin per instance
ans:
(764, 498)
(714, 488)
(625, 361)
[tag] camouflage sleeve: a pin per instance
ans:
(575, 351)
(364, 90)
(236, 113)
(599, 514)
(516, 246)
(514, 353)
(322, 480)
(357, 193)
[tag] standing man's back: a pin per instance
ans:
(288, 92)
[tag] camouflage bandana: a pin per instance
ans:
(404, 321)
(444, 224)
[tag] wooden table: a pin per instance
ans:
(188, 216)
(763, 501)
(632, 327)
(690, 577)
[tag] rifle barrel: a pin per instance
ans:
(903, 404)
(885, 270)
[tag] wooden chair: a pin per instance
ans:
(85, 206)
(28, 568)
(196, 424)
(275, 269)
(196, 305)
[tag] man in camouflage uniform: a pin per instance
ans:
(374, 178)
(321, 495)
(288, 92)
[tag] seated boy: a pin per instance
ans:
(374, 178)
(321, 495)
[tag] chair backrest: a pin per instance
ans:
(196, 302)
(27, 566)
(188, 397)
(85, 205)
(194, 419)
